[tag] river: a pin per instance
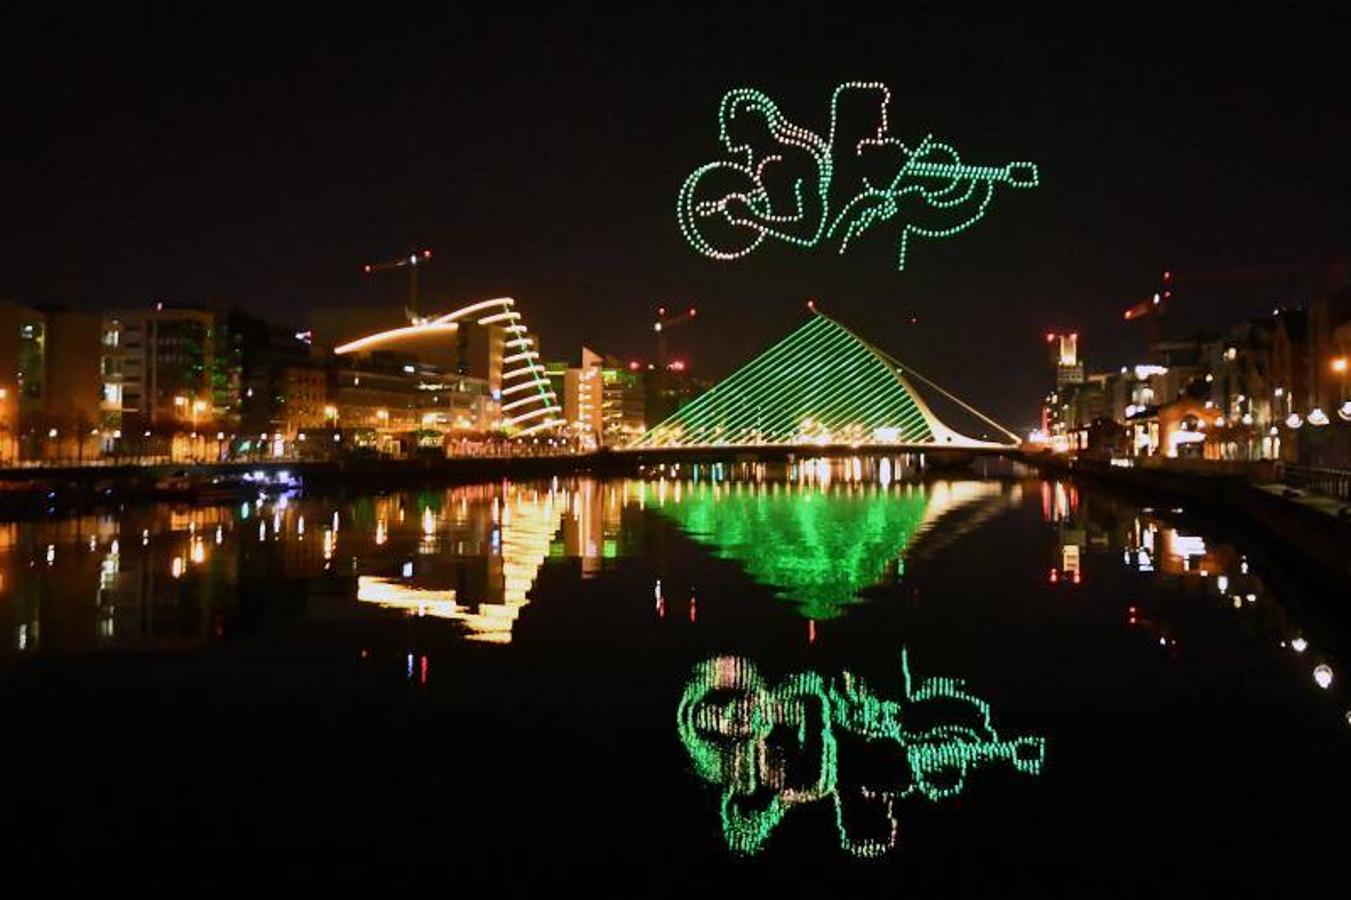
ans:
(835, 676)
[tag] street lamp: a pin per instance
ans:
(1339, 367)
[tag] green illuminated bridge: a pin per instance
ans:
(821, 389)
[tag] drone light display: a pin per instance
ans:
(788, 183)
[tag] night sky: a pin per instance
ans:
(260, 157)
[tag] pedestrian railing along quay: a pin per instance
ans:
(1329, 482)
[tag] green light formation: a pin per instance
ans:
(817, 551)
(819, 385)
(773, 748)
(728, 207)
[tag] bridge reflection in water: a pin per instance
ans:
(829, 530)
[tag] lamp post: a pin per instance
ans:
(4, 424)
(1339, 368)
(197, 407)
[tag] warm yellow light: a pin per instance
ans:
(330, 412)
(198, 405)
(180, 400)
(1339, 365)
(382, 414)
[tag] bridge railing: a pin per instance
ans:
(1330, 482)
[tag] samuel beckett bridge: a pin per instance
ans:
(823, 390)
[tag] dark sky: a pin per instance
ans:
(260, 157)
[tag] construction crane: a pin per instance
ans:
(415, 259)
(1152, 308)
(664, 324)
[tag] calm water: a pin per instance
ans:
(744, 681)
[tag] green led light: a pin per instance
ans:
(815, 551)
(820, 385)
(773, 748)
(726, 208)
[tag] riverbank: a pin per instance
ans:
(1306, 529)
(30, 491)
(39, 490)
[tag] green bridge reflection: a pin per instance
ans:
(771, 748)
(815, 543)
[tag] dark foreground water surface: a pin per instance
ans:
(821, 680)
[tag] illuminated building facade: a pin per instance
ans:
(623, 405)
(49, 385)
(483, 343)
(603, 400)
(583, 406)
(1064, 351)
(302, 399)
(23, 338)
(172, 372)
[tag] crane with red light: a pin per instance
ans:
(664, 324)
(1151, 308)
(416, 258)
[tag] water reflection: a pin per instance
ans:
(825, 532)
(164, 576)
(1156, 545)
(525, 522)
(809, 739)
(817, 534)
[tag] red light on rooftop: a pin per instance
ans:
(693, 312)
(677, 365)
(427, 254)
(366, 268)
(1167, 276)
(634, 365)
(1050, 336)
(661, 310)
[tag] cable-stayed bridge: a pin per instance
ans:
(821, 390)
